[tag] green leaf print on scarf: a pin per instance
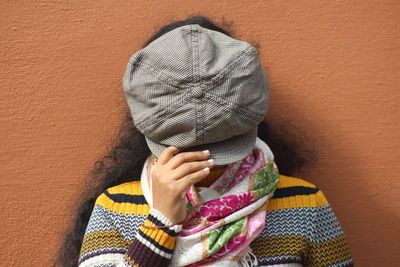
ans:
(219, 237)
(189, 206)
(266, 180)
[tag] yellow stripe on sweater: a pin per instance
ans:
(129, 188)
(300, 201)
(329, 252)
(288, 181)
(134, 188)
(124, 208)
(103, 239)
(158, 235)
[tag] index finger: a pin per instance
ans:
(167, 154)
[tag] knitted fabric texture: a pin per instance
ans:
(301, 230)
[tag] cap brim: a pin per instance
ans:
(223, 152)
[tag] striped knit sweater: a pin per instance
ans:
(301, 230)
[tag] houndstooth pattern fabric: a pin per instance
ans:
(193, 87)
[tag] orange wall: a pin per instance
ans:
(333, 71)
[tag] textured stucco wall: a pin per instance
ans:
(333, 71)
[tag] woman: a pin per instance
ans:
(194, 181)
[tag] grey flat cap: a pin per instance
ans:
(197, 89)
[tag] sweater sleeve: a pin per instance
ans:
(104, 246)
(327, 245)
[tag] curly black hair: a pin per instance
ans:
(128, 151)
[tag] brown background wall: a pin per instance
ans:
(333, 70)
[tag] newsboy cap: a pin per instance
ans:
(197, 89)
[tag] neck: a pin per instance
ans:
(215, 172)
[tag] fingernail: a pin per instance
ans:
(211, 160)
(206, 151)
(206, 169)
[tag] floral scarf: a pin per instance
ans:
(218, 232)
